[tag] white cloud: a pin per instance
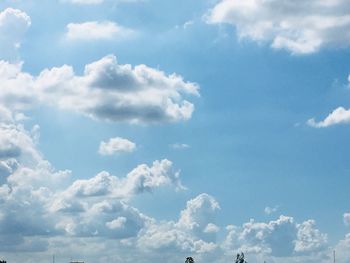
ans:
(97, 2)
(211, 228)
(198, 213)
(17, 87)
(339, 116)
(188, 24)
(34, 201)
(179, 146)
(117, 223)
(270, 210)
(40, 213)
(142, 179)
(346, 219)
(343, 249)
(106, 91)
(187, 234)
(85, 2)
(94, 30)
(116, 145)
(309, 239)
(300, 27)
(278, 238)
(13, 25)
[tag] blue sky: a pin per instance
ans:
(137, 128)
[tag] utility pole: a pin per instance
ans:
(53, 258)
(333, 256)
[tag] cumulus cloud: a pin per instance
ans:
(343, 249)
(116, 145)
(309, 239)
(36, 202)
(338, 116)
(198, 213)
(142, 179)
(114, 92)
(17, 87)
(26, 183)
(94, 30)
(211, 228)
(13, 25)
(106, 91)
(300, 27)
(280, 238)
(188, 233)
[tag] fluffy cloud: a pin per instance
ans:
(188, 233)
(338, 116)
(35, 201)
(279, 238)
(309, 239)
(300, 27)
(96, 30)
(199, 213)
(39, 212)
(26, 184)
(17, 87)
(141, 179)
(116, 145)
(13, 25)
(114, 92)
(211, 228)
(106, 91)
(343, 249)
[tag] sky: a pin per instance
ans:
(147, 130)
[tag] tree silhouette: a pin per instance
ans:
(189, 260)
(240, 258)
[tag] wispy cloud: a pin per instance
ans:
(179, 146)
(270, 210)
(94, 30)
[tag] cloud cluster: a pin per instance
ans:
(280, 238)
(116, 145)
(106, 91)
(300, 27)
(35, 200)
(13, 24)
(41, 212)
(189, 234)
